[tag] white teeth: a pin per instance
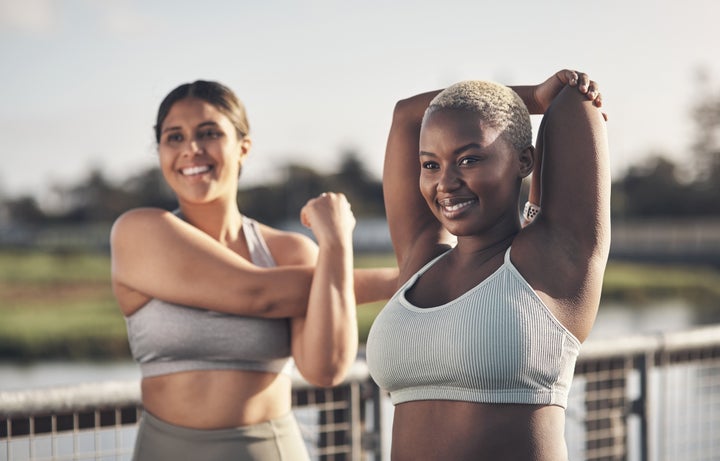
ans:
(457, 206)
(195, 170)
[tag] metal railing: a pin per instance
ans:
(646, 398)
(97, 421)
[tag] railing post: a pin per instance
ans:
(643, 406)
(372, 439)
(357, 422)
(606, 406)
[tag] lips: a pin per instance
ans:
(455, 206)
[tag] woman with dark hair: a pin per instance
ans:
(218, 304)
(477, 348)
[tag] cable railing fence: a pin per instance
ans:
(645, 398)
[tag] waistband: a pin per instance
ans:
(264, 430)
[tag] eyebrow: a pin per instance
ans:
(202, 125)
(458, 151)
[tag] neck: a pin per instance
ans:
(220, 220)
(480, 250)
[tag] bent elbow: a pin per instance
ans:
(330, 377)
(328, 372)
(404, 112)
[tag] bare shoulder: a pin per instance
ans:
(138, 220)
(128, 229)
(289, 248)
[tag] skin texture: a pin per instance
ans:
(453, 174)
(204, 261)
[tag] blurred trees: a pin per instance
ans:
(660, 187)
(657, 187)
(97, 200)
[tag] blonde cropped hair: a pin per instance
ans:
(496, 104)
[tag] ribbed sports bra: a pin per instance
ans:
(170, 338)
(496, 343)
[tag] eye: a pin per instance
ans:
(429, 165)
(469, 160)
(173, 138)
(210, 134)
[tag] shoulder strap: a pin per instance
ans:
(259, 252)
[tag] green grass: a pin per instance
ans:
(639, 283)
(43, 268)
(60, 306)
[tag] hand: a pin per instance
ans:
(329, 217)
(545, 92)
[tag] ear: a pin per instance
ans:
(526, 159)
(245, 146)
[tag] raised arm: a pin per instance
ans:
(325, 341)
(575, 176)
(161, 256)
(416, 234)
(538, 98)
(563, 253)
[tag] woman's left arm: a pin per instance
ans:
(563, 253)
(538, 98)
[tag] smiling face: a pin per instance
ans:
(200, 152)
(470, 174)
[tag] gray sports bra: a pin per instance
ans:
(497, 343)
(169, 338)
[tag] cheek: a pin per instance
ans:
(427, 186)
(164, 159)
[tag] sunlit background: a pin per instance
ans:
(80, 84)
(81, 79)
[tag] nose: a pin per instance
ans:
(449, 180)
(193, 147)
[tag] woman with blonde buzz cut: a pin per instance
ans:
(477, 347)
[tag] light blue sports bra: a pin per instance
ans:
(169, 338)
(497, 343)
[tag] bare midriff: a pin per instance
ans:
(217, 399)
(435, 430)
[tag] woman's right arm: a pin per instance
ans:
(161, 256)
(415, 232)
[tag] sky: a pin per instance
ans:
(82, 79)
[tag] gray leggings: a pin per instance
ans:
(275, 440)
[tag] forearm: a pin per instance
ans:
(409, 217)
(527, 94)
(328, 343)
(535, 193)
(375, 284)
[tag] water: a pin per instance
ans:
(614, 320)
(53, 374)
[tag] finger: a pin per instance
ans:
(593, 90)
(583, 82)
(568, 77)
